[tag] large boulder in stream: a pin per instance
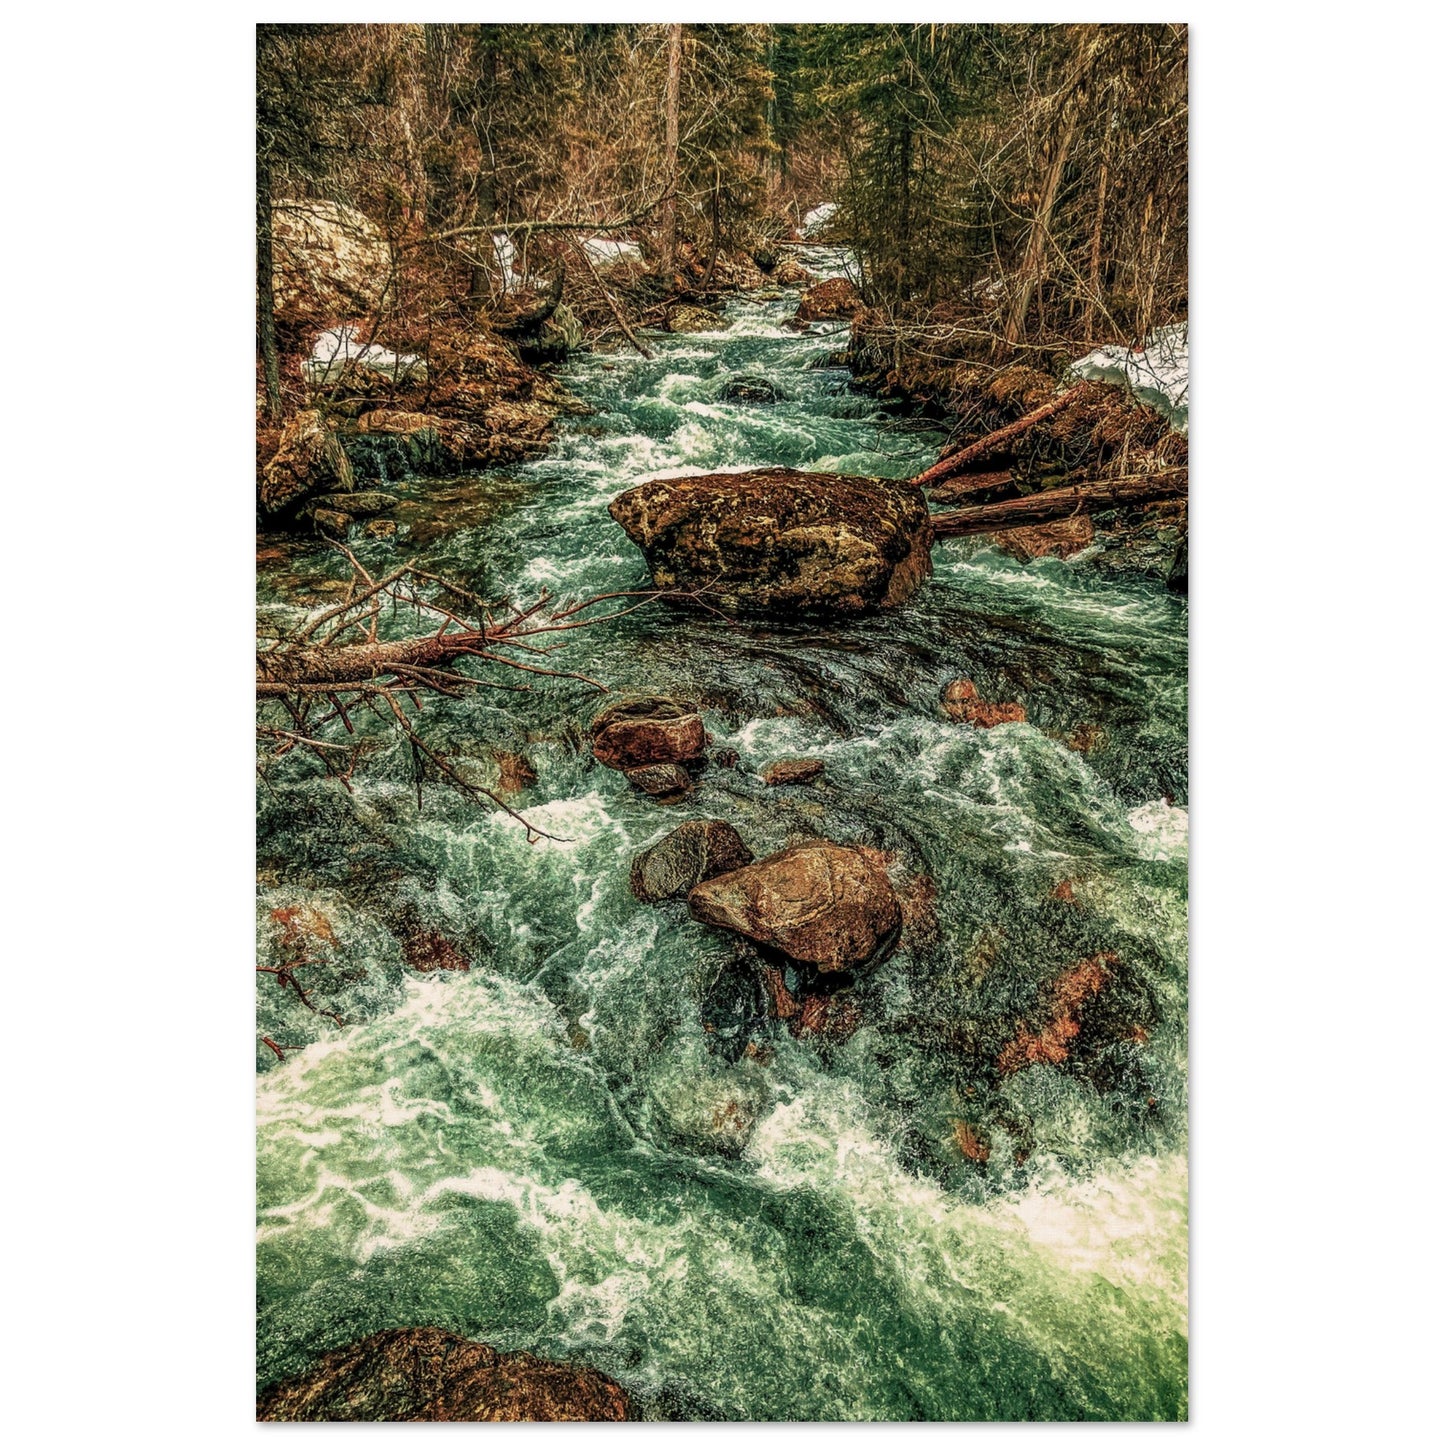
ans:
(430, 1374)
(833, 300)
(782, 542)
(817, 902)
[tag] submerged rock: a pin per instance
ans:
(687, 856)
(429, 951)
(642, 730)
(757, 390)
(792, 770)
(817, 902)
(962, 703)
(666, 782)
(780, 541)
(837, 299)
(310, 459)
(431, 1374)
(359, 504)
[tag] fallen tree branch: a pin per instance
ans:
(1061, 502)
(981, 448)
(612, 305)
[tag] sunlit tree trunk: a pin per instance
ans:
(1032, 271)
(670, 112)
(266, 294)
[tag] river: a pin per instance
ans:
(572, 1148)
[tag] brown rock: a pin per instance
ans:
(962, 703)
(332, 522)
(689, 855)
(832, 1016)
(789, 272)
(830, 300)
(666, 782)
(643, 730)
(308, 460)
(792, 770)
(380, 529)
(817, 902)
(430, 1374)
(726, 757)
(429, 951)
(692, 318)
(1051, 539)
(330, 260)
(514, 772)
(781, 541)
(970, 1144)
(1065, 999)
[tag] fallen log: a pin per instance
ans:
(981, 448)
(1060, 502)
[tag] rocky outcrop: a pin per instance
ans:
(789, 272)
(329, 261)
(834, 300)
(644, 730)
(780, 541)
(962, 703)
(683, 318)
(309, 460)
(787, 771)
(817, 902)
(687, 856)
(431, 1374)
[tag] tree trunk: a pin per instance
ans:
(1096, 250)
(1031, 272)
(981, 448)
(670, 114)
(266, 294)
(1061, 502)
(279, 674)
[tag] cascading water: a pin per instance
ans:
(596, 1143)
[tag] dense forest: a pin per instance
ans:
(1010, 190)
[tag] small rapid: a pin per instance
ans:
(597, 1143)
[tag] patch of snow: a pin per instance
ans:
(506, 253)
(603, 251)
(817, 219)
(1157, 372)
(343, 344)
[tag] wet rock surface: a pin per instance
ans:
(687, 856)
(791, 771)
(816, 902)
(641, 731)
(431, 1374)
(781, 541)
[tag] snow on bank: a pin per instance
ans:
(343, 344)
(818, 218)
(603, 251)
(1157, 372)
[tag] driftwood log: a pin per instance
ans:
(1061, 502)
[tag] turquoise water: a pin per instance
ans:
(572, 1148)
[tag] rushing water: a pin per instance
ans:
(572, 1148)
